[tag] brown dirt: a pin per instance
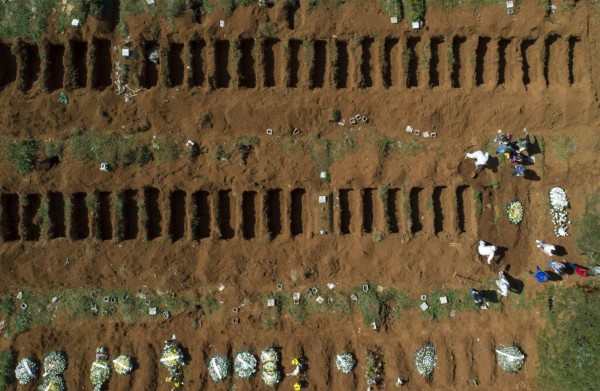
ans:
(549, 104)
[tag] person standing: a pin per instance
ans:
(547, 248)
(481, 160)
(487, 250)
(540, 275)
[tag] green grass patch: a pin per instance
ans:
(386, 146)
(325, 152)
(392, 8)
(7, 361)
(562, 147)
(588, 227)
(132, 7)
(22, 154)
(18, 20)
(458, 300)
(81, 304)
(569, 346)
(112, 148)
(415, 10)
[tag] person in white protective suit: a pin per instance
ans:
(487, 250)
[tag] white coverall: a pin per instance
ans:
(487, 250)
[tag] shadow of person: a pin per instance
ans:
(501, 253)
(491, 296)
(560, 251)
(493, 163)
(554, 276)
(516, 285)
(531, 175)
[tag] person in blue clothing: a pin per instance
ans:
(478, 297)
(540, 275)
(518, 170)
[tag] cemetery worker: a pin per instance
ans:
(481, 160)
(502, 284)
(477, 296)
(547, 248)
(518, 170)
(487, 250)
(524, 143)
(582, 271)
(558, 267)
(501, 138)
(540, 275)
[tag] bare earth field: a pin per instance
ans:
(184, 227)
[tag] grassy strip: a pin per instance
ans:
(22, 154)
(19, 20)
(416, 10)
(6, 368)
(375, 306)
(122, 150)
(386, 145)
(127, 306)
(588, 227)
(392, 8)
(569, 346)
(562, 147)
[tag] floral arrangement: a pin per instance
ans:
(244, 364)
(218, 368)
(55, 363)
(345, 362)
(172, 358)
(510, 358)
(514, 212)
(123, 365)
(558, 209)
(100, 371)
(26, 371)
(270, 362)
(374, 367)
(53, 383)
(425, 360)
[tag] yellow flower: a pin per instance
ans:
(297, 387)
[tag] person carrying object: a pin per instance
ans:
(481, 160)
(487, 250)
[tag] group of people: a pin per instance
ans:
(516, 151)
(557, 269)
